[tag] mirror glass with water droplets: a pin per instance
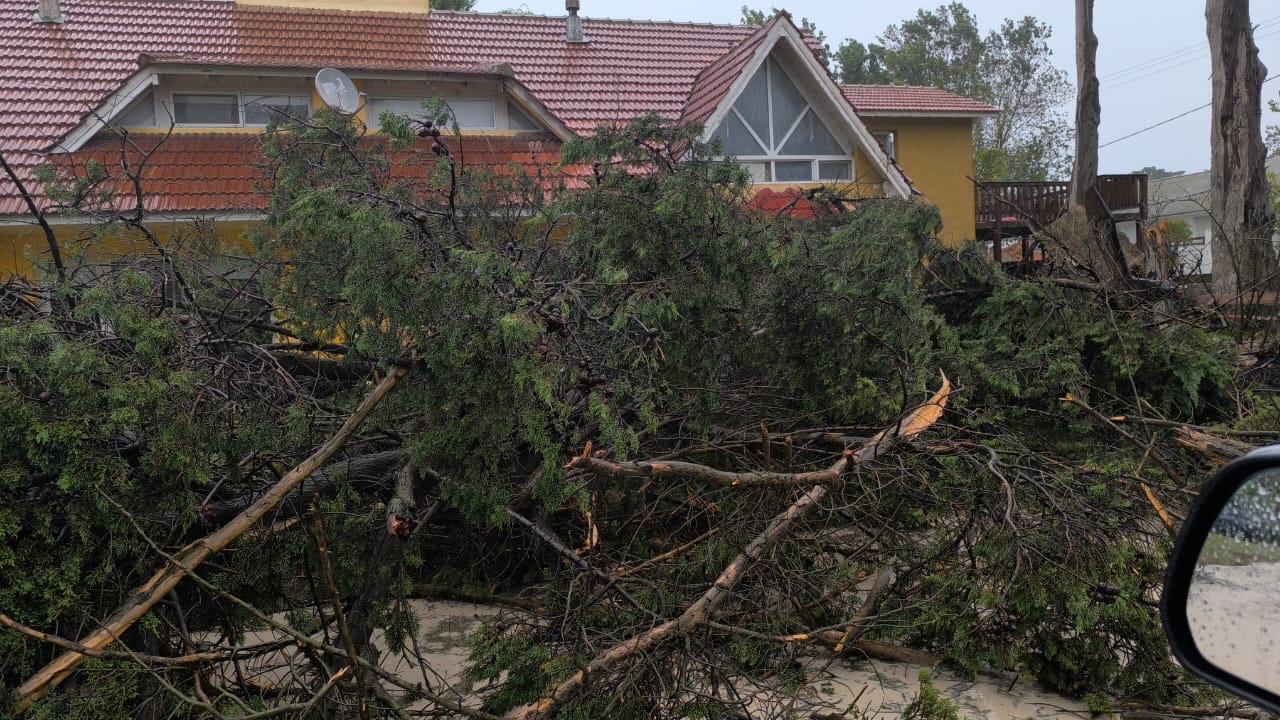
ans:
(1233, 606)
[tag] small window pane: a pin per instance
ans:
(793, 171)
(262, 109)
(788, 103)
(142, 113)
(835, 170)
(889, 141)
(518, 119)
(206, 109)
(398, 106)
(754, 103)
(472, 113)
(759, 171)
(736, 139)
(811, 138)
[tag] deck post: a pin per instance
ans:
(997, 247)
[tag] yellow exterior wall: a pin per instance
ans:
(937, 154)
(23, 248)
(409, 6)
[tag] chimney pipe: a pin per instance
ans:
(49, 12)
(573, 24)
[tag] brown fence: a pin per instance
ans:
(1030, 204)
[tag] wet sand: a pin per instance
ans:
(876, 689)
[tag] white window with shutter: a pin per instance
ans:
(236, 109)
(470, 113)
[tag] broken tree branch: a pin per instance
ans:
(705, 607)
(621, 572)
(168, 577)
(339, 614)
(1159, 457)
(175, 661)
(1217, 448)
(869, 604)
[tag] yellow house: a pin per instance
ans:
(194, 86)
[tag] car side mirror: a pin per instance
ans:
(1221, 602)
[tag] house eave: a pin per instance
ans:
(151, 71)
(81, 220)
(961, 115)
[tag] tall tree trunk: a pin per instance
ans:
(1084, 175)
(1244, 260)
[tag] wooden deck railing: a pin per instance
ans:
(1030, 204)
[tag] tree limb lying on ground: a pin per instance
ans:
(150, 593)
(706, 606)
(649, 312)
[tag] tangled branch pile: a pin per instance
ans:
(699, 446)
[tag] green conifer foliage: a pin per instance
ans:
(637, 307)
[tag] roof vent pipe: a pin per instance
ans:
(573, 24)
(49, 12)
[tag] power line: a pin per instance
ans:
(1202, 55)
(1169, 120)
(1146, 64)
(1136, 78)
(1157, 71)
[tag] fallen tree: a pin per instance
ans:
(682, 438)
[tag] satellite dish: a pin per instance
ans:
(337, 91)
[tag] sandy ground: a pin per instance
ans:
(1234, 612)
(890, 687)
(877, 689)
(881, 690)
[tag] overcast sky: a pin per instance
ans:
(1152, 56)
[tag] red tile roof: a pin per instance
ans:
(53, 75)
(913, 99)
(220, 172)
(714, 81)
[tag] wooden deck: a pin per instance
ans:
(1012, 211)
(1032, 205)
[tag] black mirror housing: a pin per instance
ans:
(1208, 517)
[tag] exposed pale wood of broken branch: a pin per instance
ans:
(197, 658)
(1159, 508)
(168, 577)
(912, 424)
(1136, 442)
(865, 611)
(709, 603)
(1216, 447)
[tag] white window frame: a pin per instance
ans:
(891, 148)
(148, 96)
(172, 106)
(498, 119)
(266, 93)
(771, 159)
(173, 109)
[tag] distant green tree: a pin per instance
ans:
(941, 48)
(1011, 68)
(859, 64)
(756, 18)
(1155, 173)
(453, 4)
(1179, 233)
